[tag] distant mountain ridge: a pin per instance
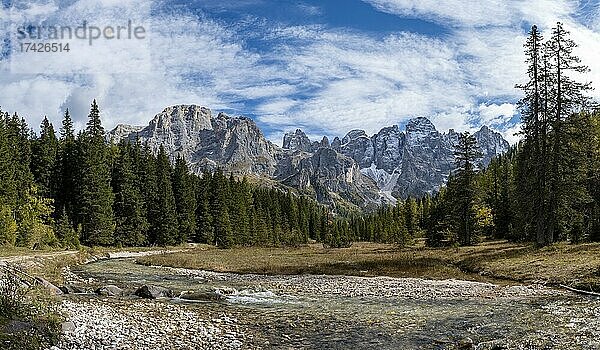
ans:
(359, 169)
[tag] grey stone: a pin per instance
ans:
(49, 286)
(153, 292)
(67, 327)
(203, 296)
(109, 290)
(465, 344)
(71, 289)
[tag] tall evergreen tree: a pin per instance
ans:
(568, 98)
(532, 188)
(185, 201)
(95, 196)
(220, 211)
(130, 218)
(466, 155)
(43, 160)
(66, 169)
(165, 227)
(204, 218)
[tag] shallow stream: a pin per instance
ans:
(340, 312)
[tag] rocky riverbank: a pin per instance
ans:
(251, 311)
(383, 287)
(141, 324)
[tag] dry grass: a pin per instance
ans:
(498, 260)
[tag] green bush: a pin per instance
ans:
(24, 325)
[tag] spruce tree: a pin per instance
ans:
(185, 201)
(95, 196)
(8, 181)
(220, 211)
(148, 183)
(204, 218)
(66, 170)
(568, 98)
(130, 217)
(532, 189)
(165, 225)
(66, 235)
(466, 155)
(43, 160)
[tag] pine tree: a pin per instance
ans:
(8, 181)
(204, 219)
(66, 169)
(410, 217)
(165, 225)
(131, 224)
(66, 235)
(221, 222)
(43, 161)
(532, 189)
(95, 196)
(568, 98)
(148, 182)
(185, 201)
(466, 154)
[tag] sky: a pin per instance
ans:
(325, 66)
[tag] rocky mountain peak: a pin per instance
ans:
(420, 124)
(297, 141)
(360, 169)
(491, 143)
(234, 144)
(353, 135)
(189, 117)
(122, 131)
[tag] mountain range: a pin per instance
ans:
(358, 169)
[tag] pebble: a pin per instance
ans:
(140, 325)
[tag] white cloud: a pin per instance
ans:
(512, 134)
(324, 80)
(494, 114)
(461, 13)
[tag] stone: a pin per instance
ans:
(71, 289)
(109, 290)
(49, 286)
(153, 292)
(67, 327)
(202, 296)
(465, 344)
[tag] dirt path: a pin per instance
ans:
(41, 255)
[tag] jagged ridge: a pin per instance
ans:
(365, 170)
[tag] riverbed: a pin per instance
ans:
(320, 312)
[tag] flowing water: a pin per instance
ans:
(319, 312)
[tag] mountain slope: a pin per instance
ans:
(359, 169)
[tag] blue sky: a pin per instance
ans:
(324, 66)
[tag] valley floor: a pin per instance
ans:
(496, 261)
(311, 297)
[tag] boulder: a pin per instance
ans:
(71, 289)
(202, 296)
(110, 291)
(153, 292)
(465, 344)
(49, 286)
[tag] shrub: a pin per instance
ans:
(24, 325)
